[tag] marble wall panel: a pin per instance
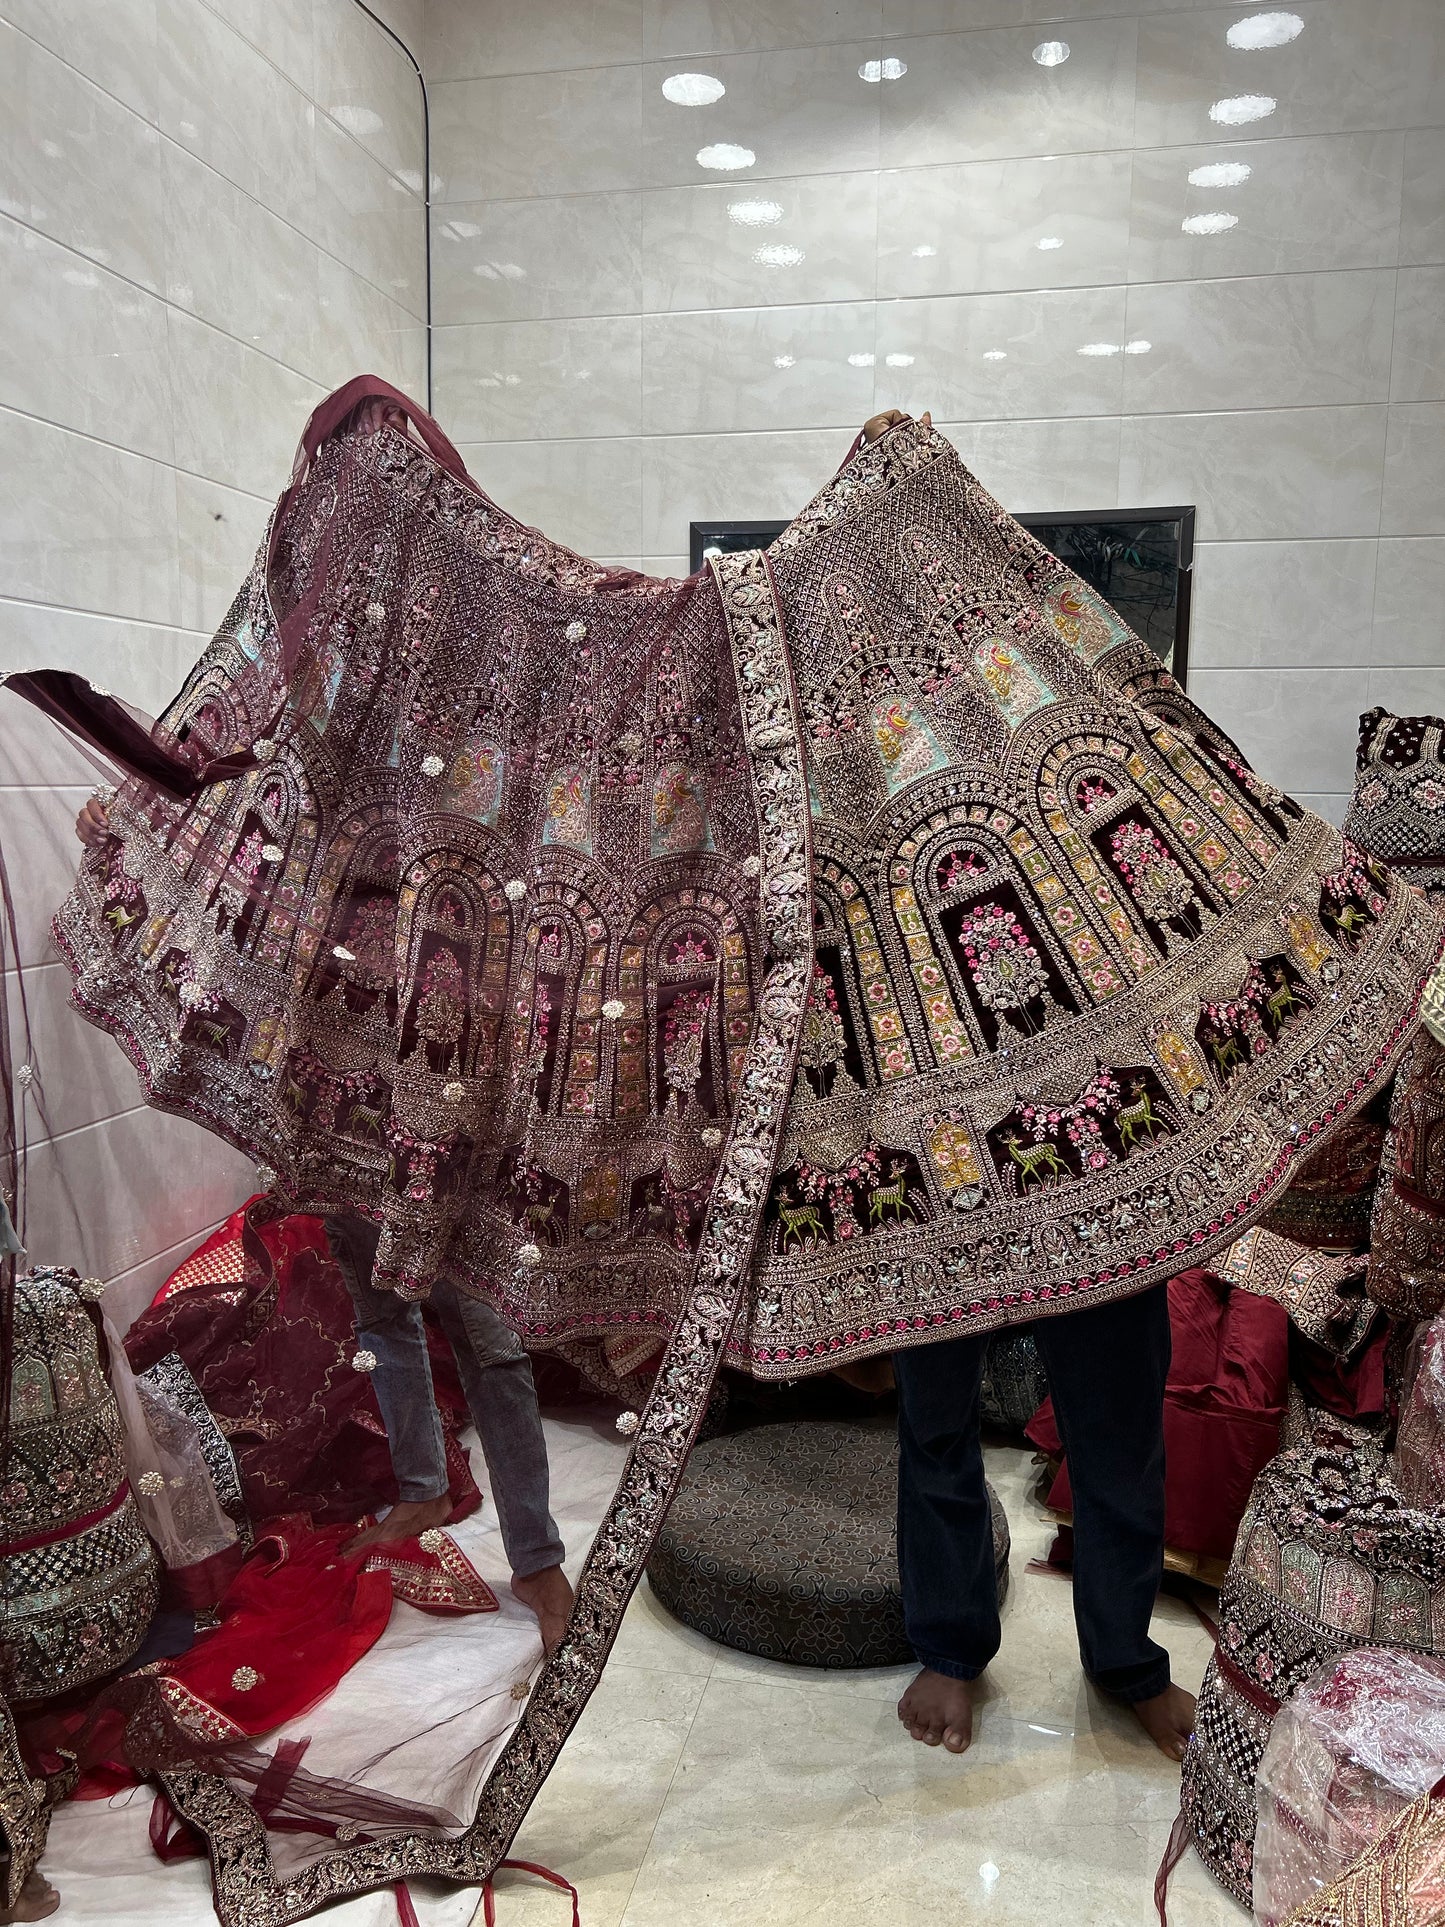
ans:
(536, 134)
(587, 494)
(1414, 479)
(1422, 212)
(1267, 206)
(1282, 605)
(516, 380)
(207, 208)
(980, 96)
(77, 164)
(1349, 66)
(1262, 474)
(1267, 341)
(539, 259)
(465, 41)
(1060, 221)
(798, 111)
(782, 242)
(758, 368)
(80, 346)
(1409, 594)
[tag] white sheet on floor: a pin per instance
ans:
(460, 1670)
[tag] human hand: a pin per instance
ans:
(877, 425)
(380, 413)
(92, 826)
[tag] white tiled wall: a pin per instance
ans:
(629, 339)
(210, 214)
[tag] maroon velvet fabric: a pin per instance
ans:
(1228, 1386)
(273, 1363)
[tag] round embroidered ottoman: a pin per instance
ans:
(781, 1542)
(1329, 1557)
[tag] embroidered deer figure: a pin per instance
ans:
(1040, 1163)
(1226, 1054)
(1138, 1116)
(119, 918)
(1281, 1001)
(218, 1032)
(800, 1221)
(537, 1216)
(895, 1194)
(293, 1096)
(367, 1119)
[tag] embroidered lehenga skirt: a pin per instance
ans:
(855, 944)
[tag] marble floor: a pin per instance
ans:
(703, 1788)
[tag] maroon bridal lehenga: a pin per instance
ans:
(854, 943)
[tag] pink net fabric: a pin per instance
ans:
(1420, 1441)
(1348, 1753)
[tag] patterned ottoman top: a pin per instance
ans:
(812, 1501)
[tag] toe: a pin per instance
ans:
(955, 1740)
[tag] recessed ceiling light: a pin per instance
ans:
(925, 251)
(1215, 223)
(692, 90)
(899, 361)
(1265, 30)
(861, 360)
(1242, 108)
(1049, 241)
(725, 158)
(755, 213)
(1100, 348)
(1220, 174)
(876, 70)
(777, 254)
(783, 361)
(1051, 53)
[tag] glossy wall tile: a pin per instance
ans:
(208, 210)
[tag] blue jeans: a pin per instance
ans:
(1107, 1366)
(496, 1376)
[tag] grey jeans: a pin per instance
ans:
(496, 1377)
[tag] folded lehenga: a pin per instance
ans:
(858, 942)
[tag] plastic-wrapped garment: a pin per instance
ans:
(1407, 1226)
(1397, 1882)
(1357, 1743)
(1329, 1559)
(1420, 1441)
(173, 1488)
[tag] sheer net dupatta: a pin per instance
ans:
(472, 893)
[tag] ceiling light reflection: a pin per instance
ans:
(1100, 348)
(1216, 223)
(724, 158)
(692, 90)
(784, 361)
(1051, 53)
(925, 251)
(861, 360)
(1048, 242)
(1239, 109)
(1220, 174)
(876, 70)
(778, 254)
(899, 361)
(1137, 347)
(1265, 30)
(755, 213)
(995, 354)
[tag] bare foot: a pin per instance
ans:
(939, 1710)
(549, 1595)
(405, 1520)
(37, 1899)
(1168, 1719)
